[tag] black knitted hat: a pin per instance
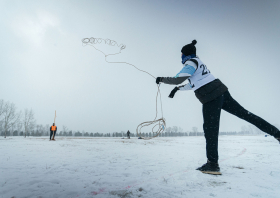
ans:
(189, 49)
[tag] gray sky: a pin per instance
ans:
(45, 67)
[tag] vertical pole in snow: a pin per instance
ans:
(54, 117)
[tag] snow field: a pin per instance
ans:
(114, 167)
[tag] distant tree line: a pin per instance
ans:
(18, 123)
(42, 132)
(14, 122)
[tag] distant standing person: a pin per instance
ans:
(53, 129)
(128, 134)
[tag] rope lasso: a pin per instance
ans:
(160, 123)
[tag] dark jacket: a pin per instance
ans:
(210, 91)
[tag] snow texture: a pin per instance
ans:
(114, 167)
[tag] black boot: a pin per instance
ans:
(210, 168)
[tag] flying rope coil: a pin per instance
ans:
(159, 124)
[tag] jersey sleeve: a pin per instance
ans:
(188, 70)
(185, 87)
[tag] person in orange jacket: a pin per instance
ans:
(53, 129)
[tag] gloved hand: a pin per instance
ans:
(172, 93)
(158, 80)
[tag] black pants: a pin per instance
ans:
(52, 134)
(211, 115)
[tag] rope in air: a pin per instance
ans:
(159, 124)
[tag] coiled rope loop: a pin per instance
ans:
(159, 124)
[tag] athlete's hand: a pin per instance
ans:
(158, 80)
(172, 93)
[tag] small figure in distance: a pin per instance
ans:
(128, 134)
(53, 130)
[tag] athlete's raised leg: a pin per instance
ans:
(232, 106)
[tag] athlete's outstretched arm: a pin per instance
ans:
(171, 80)
(187, 71)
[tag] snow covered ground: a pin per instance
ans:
(114, 167)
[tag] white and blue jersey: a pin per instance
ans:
(188, 69)
(197, 75)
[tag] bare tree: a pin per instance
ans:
(255, 129)
(1, 127)
(168, 129)
(10, 117)
(12, 130)
(65, 130)
(2, 107)
(19, 126)
(28, 120)
(244, 129)
(175, 129)
(37, 129)
(41, 129)
(47, 129)
(195, 130)
(180, 129)
(251, 129)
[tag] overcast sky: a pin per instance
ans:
(44, 65)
